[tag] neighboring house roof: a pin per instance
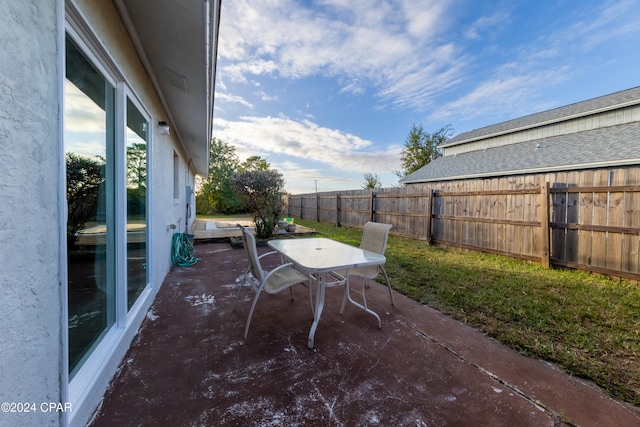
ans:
(177, 43)
(603, 147)
(486, 153)
(596, 105)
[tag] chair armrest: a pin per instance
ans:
(268, 253)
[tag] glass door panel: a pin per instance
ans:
(137, 135)
(89, 142)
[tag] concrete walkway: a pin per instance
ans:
(189, 365)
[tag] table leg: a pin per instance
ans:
(347, 295)
(320, 291)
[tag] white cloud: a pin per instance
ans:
(380, 42)
(265, 97)
(487, 24)
(271, 137)
(515, 88)
(225, 97)
(511, 94)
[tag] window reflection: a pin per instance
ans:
(137, 131)
(88, 134)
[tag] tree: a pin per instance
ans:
(137, 165)
(254, 163)
(215, 193)
(421, 148)
(371, 181)
(85, 179)
(262, 192)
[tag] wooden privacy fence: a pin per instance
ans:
(595, 228)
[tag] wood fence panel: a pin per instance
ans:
(450, 230)
(558, 215)
(631, 218)
(572, 217)
(530, 214)
(464, 212)
(456, 225)
(585, 217)
(490, 231)
(510, 231)
(475, 209)
(501, 214)
(403, 220)
(593, 217)
(599, 239)
(515, 207)
(615, 215)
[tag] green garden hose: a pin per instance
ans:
(182, 251)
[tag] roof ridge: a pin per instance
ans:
(554, 114)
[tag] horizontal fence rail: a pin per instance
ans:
(587, 220)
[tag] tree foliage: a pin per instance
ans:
(254, 163)
(262, 192)
(215, 194)
(85, 177)
(137, 165)
(371, 181)
(421, 148)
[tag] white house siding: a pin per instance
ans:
(33, 358)
(30, 279)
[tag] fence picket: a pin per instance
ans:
(582, 219)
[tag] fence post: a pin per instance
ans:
(544, 226)
(429, 219)
(317, 207)
(337, 209)
(372, 217)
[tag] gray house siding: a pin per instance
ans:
(598, 133)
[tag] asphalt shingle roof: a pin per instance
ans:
(584, 107)
(614, 145)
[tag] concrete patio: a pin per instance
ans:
(189, 366)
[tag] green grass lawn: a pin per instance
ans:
(587, 324)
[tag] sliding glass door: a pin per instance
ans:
(106, 136)
(89, 148)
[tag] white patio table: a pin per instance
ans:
(320, 256)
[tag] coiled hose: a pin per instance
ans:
(182, 251)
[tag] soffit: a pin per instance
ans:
(175, 41)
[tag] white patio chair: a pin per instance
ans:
(374, 239)
(280, 278)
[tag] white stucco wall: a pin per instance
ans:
(107, 24)
(30, 332)
(32, 281)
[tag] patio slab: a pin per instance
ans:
(189, 365)
(207, 230)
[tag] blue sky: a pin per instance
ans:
(327, 91)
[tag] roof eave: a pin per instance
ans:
(582, 166)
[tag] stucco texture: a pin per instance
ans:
(30, 353)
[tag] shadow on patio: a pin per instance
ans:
(189, 365)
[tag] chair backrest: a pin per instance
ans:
(374, 237)
(249, 243)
